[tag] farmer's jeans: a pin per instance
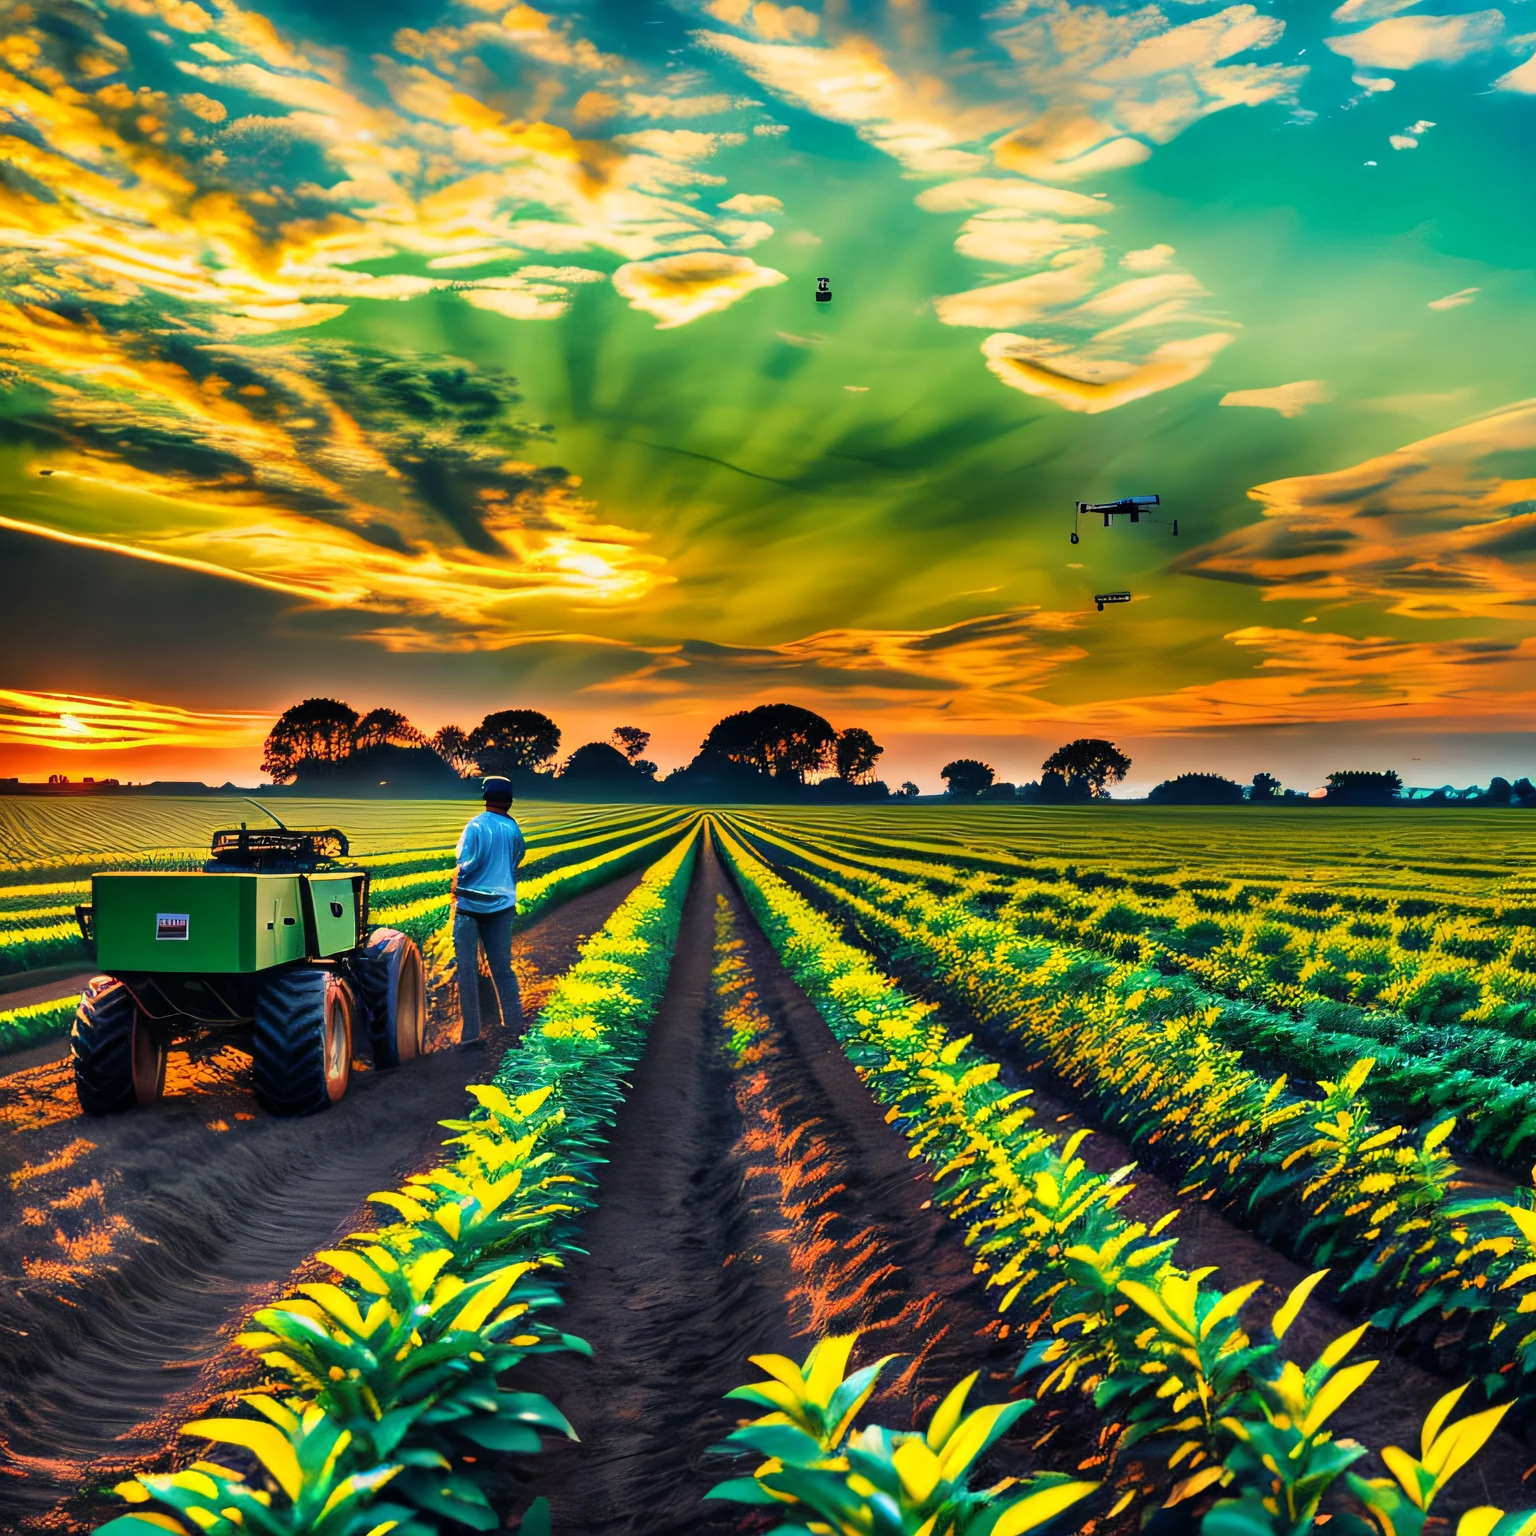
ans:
(493, 932)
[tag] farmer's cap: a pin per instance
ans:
(495, 787)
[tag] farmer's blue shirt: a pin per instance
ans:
(489, 852)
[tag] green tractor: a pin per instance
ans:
(268, 944)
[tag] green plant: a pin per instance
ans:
(878, 1481)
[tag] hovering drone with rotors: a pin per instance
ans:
(1133, 507)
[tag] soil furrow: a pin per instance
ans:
(132, 1248)
(754, 1198)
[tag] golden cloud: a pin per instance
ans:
(1437, 529)
(1082, 382)
(679, 289)
(1307, 677)
(983, 668)
(78, 722)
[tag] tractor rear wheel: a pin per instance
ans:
(119, 1056)
(301, 1050)
(393, 983)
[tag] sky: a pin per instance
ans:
(452, 357)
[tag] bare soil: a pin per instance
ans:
(133, 1247)
(749, 1205)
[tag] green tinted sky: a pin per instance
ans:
(462, 356)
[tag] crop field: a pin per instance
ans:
(962, 1171)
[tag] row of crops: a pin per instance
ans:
(389, 1380)
(409, 891)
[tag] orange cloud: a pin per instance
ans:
(678, 289)
(1306, 677)
(1437, 529)
(76, 722)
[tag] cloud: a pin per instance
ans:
(982, 668)
(1081, 382)
(1371, 10)
(1069, 279)
(1521, 78)
(339, 476)
(680, 289)
(1405, 42)
(1455, 300)
(1442, 528)
(78, 722)
(752, 202)
(1288, 399)
(1307, 676)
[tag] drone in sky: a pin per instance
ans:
(1110, 597)
(1133, 507)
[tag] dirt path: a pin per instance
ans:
(754, 1197)
(131, 1247)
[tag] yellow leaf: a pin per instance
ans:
(1479, 1521)
(1229, 1304)
(336, 1304)
(356, 1267)
(782, 1370)
(1152, 1304)
(1294, 1303)
(1435, 1422)
(1341, 1346)
(1195, 1483)
(426, 1269)
(490, 1296)
(135, 1492)
(826, 1365)
(947, 1415)
(412, 1210)
(268, 1443)
(1405, 1469)
(1036, 1508)
(964, 1445)
(160, 1522)
(918, 1469)
(1334, 1392)
(1456, 1446)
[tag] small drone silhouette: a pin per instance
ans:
(1133, 507)
(1110, 597)
(823, 290)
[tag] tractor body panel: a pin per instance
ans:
(336, 902)
(197, 923)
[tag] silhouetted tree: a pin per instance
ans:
(314, 731)
(601, 763)
(1265, 787)
(779, 739)
(514, 739)
(1002, 790)
(452, 745)
(908, 790)
(1100, 763)
(386, 727)
(1058, 788)
(1499, 792)
(1360, 787)
(856, 752)
(966, 777)
(1197, 789)
(631, 740)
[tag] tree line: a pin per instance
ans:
(772, 752)
(775, 751)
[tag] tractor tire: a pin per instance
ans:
(393, 983)
(301, 1049)
(119, 1056)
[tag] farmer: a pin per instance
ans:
(485, 898)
